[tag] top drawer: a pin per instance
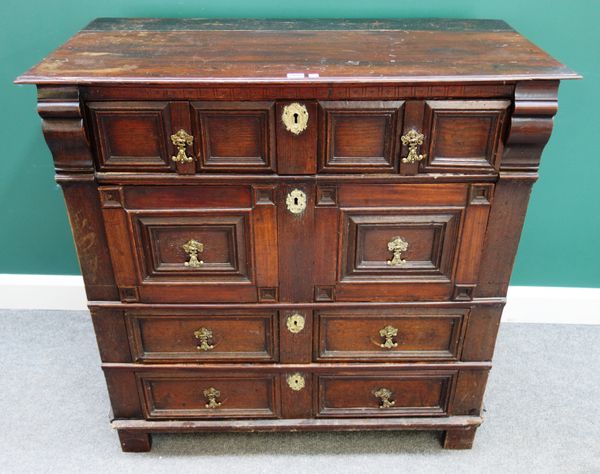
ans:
(305, 137)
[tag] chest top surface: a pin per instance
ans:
(196, 51)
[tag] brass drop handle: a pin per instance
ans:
(205, 339)
(388, 333)
(384, 395)
(413, 140)
(211, 394)
(397, 245)
(193, 248)
(181, 139)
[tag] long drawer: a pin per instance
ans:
(367, 334)
(218, 243)
(305, 137)
(300, 391)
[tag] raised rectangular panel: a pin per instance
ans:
(360, 136)
(235, 136)
(180, 395)
(232, 335)
(417, 334)
(132, 135)
(431, 235)
(421, 393)
(463, 134)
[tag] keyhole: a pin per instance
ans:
(296, 117)
(295, 201)
(296, 323)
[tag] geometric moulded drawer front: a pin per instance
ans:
(203, 335)
(234, 136)
(187, 394)
(162, 240)
(132, 135)
(463, 135)
(396, 393)
(360, 136)
(189, 244)
(429, 235)
(401, 242)
(390, 334)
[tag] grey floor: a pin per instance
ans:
(542, 414)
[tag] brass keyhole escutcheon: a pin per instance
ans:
(296, 382)
(296, 201)
(193, 248)
(205, 339)
(211, 394)
(388, 333)
(295, 323)
(384, 395)
(295, 118)
(397, 245)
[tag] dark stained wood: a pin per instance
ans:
(135, 441)
(234, 136)
(353, 334)
(482, 96)
(359, 136)
(463, 134)
(181, 395)
(414, 394)
(234, 335)
(196, 52)
(460, 438)
(296, 153)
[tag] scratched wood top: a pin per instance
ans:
(195, 51)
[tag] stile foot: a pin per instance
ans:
(135, 441)
(459, 438)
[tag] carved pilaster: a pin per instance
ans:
(531, 123)
(529, 131)
(62, 124)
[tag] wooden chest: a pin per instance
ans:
(296, 225)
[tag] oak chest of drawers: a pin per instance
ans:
(296, 225)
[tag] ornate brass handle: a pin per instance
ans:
(180, 140)
(397, 245)
(193, 248)
(211, 394)
(384, 395)
(412, 139)
(205, 336)
(389, 333)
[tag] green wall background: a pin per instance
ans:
(561, 240)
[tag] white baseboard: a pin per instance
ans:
(526, 304)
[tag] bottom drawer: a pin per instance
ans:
(187, 395)
(238, 391)
(424, 393)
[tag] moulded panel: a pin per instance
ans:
(360, 136)
(389, 334)
(132, 135)
(186, 395)
(203, 335)
(235, 136)
(408, 394)
(463, 134)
